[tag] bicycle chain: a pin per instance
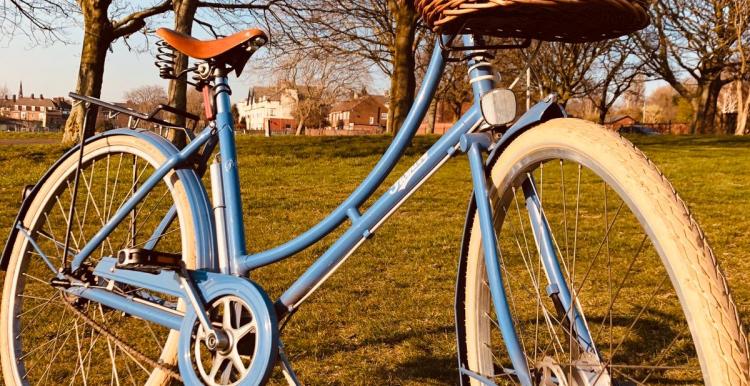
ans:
(169, 370)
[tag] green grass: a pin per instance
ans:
(386, 317)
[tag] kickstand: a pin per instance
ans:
(286, 368)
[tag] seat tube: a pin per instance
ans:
(235, 228)
(474, 145)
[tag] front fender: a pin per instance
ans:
(539, 113)
(196, 196)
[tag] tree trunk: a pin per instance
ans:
(457, 107)
(432, 117)
(403, 80)
(743, 109)
(705, 107)
(602, 106)
(96, 40)
(300, 127)
(184, 13)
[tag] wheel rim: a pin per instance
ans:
(55, 343)
(627, 299)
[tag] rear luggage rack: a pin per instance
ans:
(136, 116)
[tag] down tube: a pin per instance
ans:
(363, 226)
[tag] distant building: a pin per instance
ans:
(35, 112)
(269, 109)
(8, 124)
(107, 119)
(620, 121)
(443, 117)
(364, 112)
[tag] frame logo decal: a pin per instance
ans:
(404, 180)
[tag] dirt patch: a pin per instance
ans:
(28, 141)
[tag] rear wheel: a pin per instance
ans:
(644, 278)
(48, 337)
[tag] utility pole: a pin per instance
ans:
(528, 89)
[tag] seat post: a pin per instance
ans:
(230, 174)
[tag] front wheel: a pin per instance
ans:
(644, 281)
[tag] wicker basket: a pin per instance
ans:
(556, 20)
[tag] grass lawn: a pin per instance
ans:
(386, 317)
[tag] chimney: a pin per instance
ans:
(32, 95)
(14, 97)
(41, 96)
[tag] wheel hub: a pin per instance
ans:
(585, 371)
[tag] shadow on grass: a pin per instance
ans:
(426, 369)
(337, 147)
(667, 141)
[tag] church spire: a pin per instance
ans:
(20, 89)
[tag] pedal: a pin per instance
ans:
(147, 260)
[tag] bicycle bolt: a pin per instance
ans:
(211, 341)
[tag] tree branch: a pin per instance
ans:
(137, 20)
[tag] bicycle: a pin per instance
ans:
(119, 265)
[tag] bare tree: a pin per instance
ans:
(454, 88)
(226, 15)
(634, 99)
(146, 98)
(104, 22)
(616, 70)
(184, 15)
(101, 27)
(319, 77)
(37, 20)
(383, 32)
(741, 26)
(691, 39)
(567, 69)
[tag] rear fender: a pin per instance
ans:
(539, 113)
(196, 195)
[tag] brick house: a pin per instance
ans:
(269, 109)
(366, 112)
(620, 121)
(37, 112)
(445, 116)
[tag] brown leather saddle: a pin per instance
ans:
(233, 50)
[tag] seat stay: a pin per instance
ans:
(173, 162)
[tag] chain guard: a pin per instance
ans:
(214, 287)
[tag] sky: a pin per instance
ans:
(52, 70)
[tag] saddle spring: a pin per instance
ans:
(165, 60)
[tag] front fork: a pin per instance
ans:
(474, 145)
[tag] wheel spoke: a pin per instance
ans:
(604, 252)
(86, 343)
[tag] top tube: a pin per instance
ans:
(373, 180)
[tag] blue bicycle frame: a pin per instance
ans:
(461, 138)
